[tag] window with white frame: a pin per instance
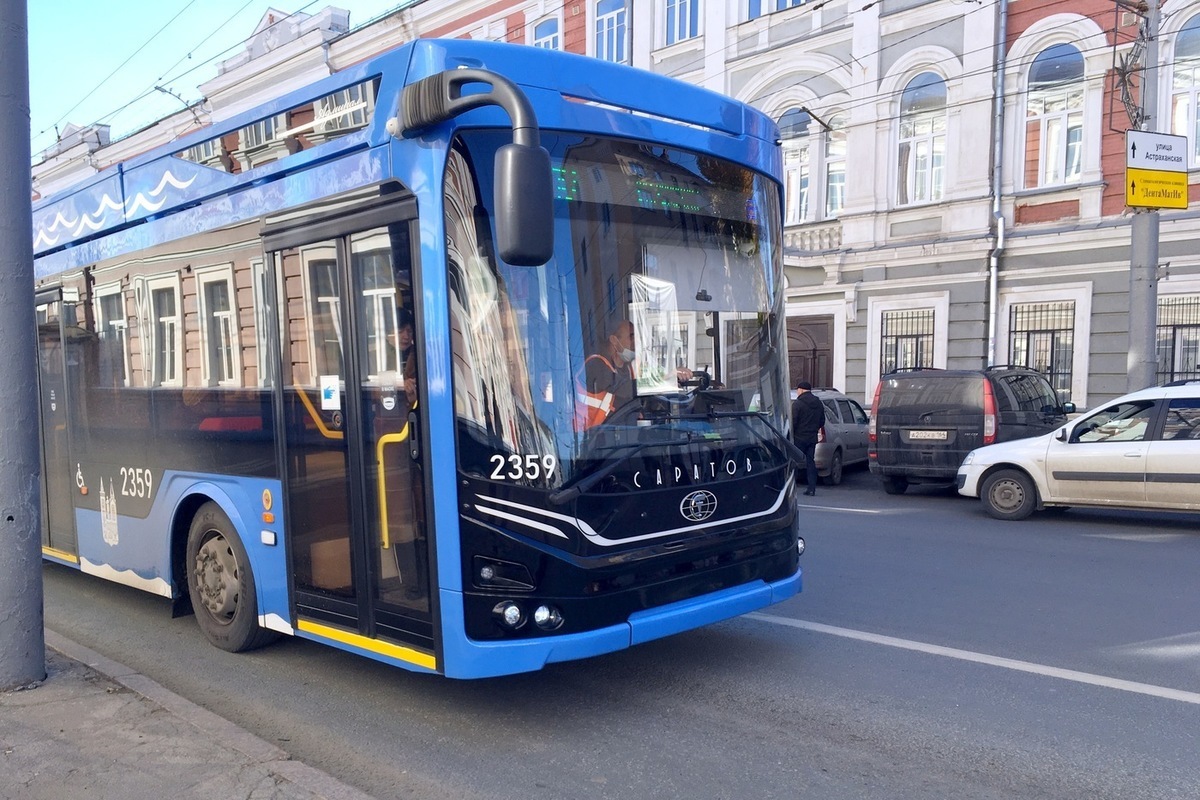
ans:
(1054, 118)
(1185, 87)
(221, 360)
(906, 339)
(814, 164)
(922, 143)
(612, 31)
(166, 357)
(372, 259)
(259, 276)
(795, 128)
(546, 36)
(835, 166)
(760, 8)
(112, 331)
(1178, 334)
(1041, 336)
(683, 20)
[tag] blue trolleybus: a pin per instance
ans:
(469, 358)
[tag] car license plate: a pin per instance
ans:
(938, 436)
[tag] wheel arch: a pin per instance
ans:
(181, 522)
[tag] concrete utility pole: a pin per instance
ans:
(22, 639)
(1143, 242)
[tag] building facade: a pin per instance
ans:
(954, 169)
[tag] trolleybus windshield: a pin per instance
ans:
(671, 245)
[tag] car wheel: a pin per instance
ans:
(893, 485)
(1009, 494)
(221, 584)
(835, 469)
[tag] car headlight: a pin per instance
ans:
(970, 457)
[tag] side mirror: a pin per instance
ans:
(1068, 408)
(524, 200)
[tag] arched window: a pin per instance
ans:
(545, 34)
(1185, 87)
(1054, 117)
(794, 129)
(922, 147)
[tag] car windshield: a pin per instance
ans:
(653, 335)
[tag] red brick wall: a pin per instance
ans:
(1047, 212)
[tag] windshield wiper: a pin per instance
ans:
(795, 456)
(571, 490)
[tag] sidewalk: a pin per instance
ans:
(94, 728)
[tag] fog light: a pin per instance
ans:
(547, 617)
(510, 614)
(800, 545)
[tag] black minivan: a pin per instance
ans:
(925, 421)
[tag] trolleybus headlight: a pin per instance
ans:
(800, 545)
(547, 618)
(510, 614)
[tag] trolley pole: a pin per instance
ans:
(22, 638)
(1143, 244)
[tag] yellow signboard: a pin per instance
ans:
(1152, 188)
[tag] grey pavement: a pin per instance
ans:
(95, 728)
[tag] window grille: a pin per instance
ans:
(1041, 336)
(1178, 338)
(906, 340)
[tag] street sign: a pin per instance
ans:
(1152, 188)
(1156, 166)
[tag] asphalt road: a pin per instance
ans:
(934, 653)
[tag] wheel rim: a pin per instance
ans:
(217, 577)
(1007, 495)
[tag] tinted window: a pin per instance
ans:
(860, 416)
(831, 411)
(1031, 393)
(931, 391)
(846, 412)
(1183, 419)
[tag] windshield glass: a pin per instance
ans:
(654, 334)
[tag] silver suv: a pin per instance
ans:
(843, 441)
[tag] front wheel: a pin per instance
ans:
(1009, 494)
(221, 584)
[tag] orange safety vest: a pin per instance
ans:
(592, 408)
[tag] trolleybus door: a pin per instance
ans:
(58, 473)
(354, 470)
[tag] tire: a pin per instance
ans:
(893, 485)
(1009, 495)
(221, 584)
(835, 469)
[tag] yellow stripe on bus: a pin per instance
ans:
(62, 554)
(374, 645)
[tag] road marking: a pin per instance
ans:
(848, 510)
(982, 658)
(1152, 538)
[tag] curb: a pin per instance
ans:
(221, 730)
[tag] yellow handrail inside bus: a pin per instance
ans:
(388, 438)
(312, 412)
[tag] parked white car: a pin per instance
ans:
(1139, 451)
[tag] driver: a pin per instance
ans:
(607, 380)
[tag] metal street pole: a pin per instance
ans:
(22, 639)
(1143, 242)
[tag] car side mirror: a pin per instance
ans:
(1068, 408)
